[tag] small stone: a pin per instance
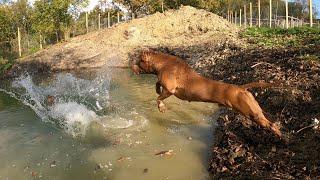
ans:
(165, 153)
(34, 174)
(145, 170)
(98, 167)
(122, 158)
(53, 164)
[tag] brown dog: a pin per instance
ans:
(175, 77)
(50, 100)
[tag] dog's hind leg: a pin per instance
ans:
(249, 107)
(164, 94)
(264, 122)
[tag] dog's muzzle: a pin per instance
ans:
(136, 69)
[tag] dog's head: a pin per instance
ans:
(145, 64)
(50, 100)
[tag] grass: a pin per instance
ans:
(278, 37)
(5, 65)
(6, 61)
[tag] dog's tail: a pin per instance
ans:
(257, 85)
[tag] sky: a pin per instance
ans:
(317, 4)
(93, 3)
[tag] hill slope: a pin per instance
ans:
(173, 29)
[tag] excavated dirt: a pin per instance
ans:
(212, 47)
(185, 27)
(244, 150)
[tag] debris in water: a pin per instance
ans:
(34, 174)
(98, 167)
(25, 168)
(98, 106)
(145, 170)
(122, 158)
(165, 153)
(53, 164)
(190, 138)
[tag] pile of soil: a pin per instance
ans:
(185, 27)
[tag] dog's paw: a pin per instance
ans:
(162, 107)
(276, 130)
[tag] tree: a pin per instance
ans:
(7, 27)
(52, 18)
(22, 15)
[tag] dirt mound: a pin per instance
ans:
(185, 27)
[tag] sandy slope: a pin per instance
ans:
(174, 29)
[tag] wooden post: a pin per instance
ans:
(162, 6)
(310, 11)
(87, 24)
(259, 13)
(245, 15)
(250, 14)
(235, 17)
(270, 13)
(291, 23)
(19, 42)
(40, 37)
(118, 14)
(231, 15)
(99, 25)
(287, 15)
(240, 17)
(109, 24)
(57, 37)
(276, 17)
(132, 15)
(228, 15)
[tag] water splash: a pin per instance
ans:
(78, 103)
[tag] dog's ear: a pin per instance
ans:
(146, 55)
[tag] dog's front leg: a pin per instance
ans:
(158, 88)
(163, 95)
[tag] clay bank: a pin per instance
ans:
(183, 28)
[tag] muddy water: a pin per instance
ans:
(105, 127)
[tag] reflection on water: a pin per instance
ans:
(104, 126)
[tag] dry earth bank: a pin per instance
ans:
(112, 47)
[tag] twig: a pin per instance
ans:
(260, 64)
(283, 110)
(312, 125)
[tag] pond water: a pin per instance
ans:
(103, 125)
